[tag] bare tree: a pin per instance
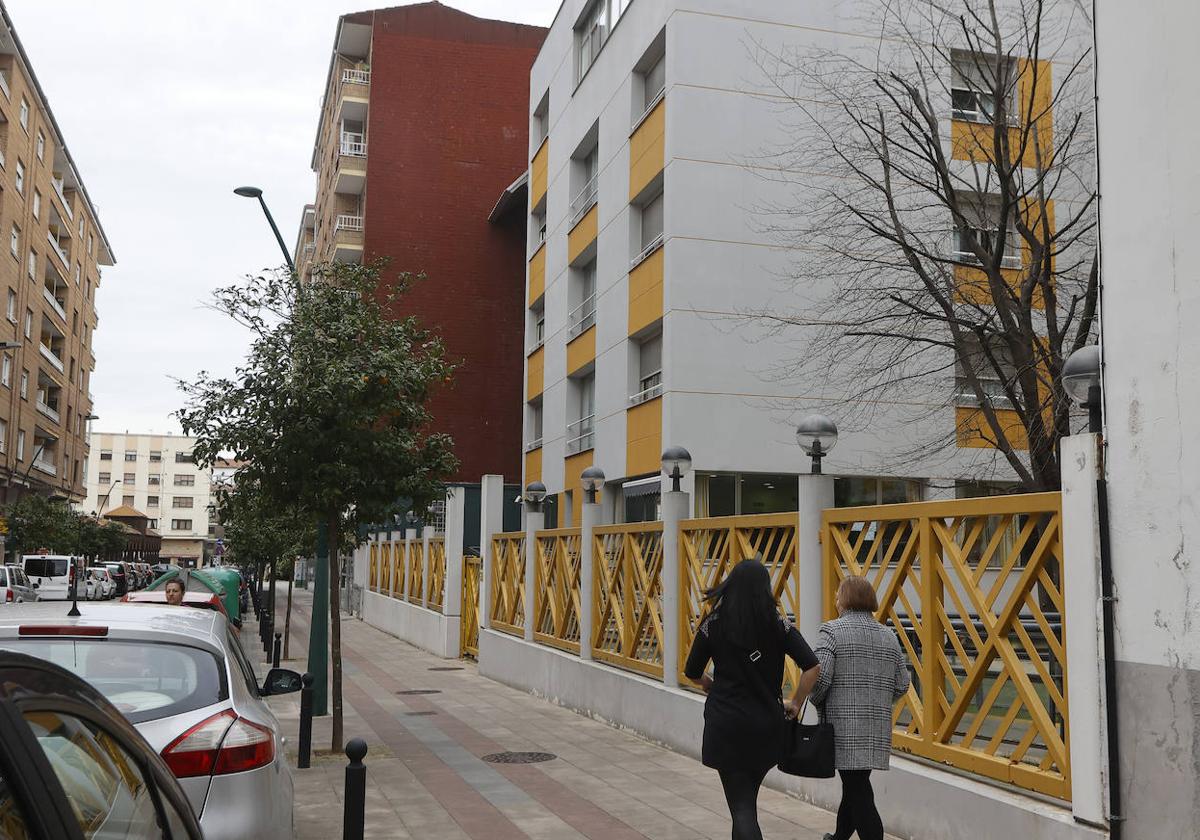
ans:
(943, 216)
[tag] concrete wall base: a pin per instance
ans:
(428, 630)
(918, 802)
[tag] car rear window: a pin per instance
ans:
(3, 577)
(144, 680)
(46, 566)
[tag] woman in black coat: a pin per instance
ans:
(746, 638)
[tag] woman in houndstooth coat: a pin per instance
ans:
(863, 673)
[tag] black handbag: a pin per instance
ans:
(808, 748)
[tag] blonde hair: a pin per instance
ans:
(857, 593)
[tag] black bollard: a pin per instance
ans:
(354, 818)
(306, 714)
(277, 650)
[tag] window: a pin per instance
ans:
(128, 478)
(537, 233)
(14, 241)
(581, 433)
(105, 454)
(155, 456)
(583, 297)
(182, 501)
(6, 372)
(24, 114)
(155, 479)
(152, 501)
(20, 178)
(184, 458)
(91, 242)
(130, 456)
(592, 31)
(11, 311)
(982, 229)
(855, 492)
(535, 426)
(185, 480)
(28, 323)
(584, 167)
(541, 120)
(153, 523)
(538, 314)
(181, 524)
(77, 272)
(31, 264)
(41, 145)
(649, 383)
(654, 82)
(21, 445)
(651, 223)
(24, 384)
(81, 226)
(3, 435)
(104, 477)
(127, 500)
(975, 80)
(37, 204)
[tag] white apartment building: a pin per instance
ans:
(648, 248)
(157, 476)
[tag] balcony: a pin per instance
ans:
(348, 238)
(4, 85)
(584, 200)
(62, 197)
(354, 95)
(45, 466)
(356, 77)
(536, 443)
(50, 357)
(47, 411)
(54, 246)
(582, 317)
(581, 435)
(652, 386)
(354, 144)
(55, 304)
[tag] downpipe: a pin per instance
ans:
(1116, 818)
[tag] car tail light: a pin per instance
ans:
(223, 743)
(8, 595)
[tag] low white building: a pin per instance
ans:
(156, 475)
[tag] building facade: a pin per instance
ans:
(648, 248)
(423, 126)
(48, 279)
(157, 476)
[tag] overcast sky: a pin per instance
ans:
(166, 106)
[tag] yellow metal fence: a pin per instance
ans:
(508, 583)
(557, 606)
(437, 573)
(416, 572)
(628, 601)
(974, 590)
(469, 627)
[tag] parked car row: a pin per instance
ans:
(165, 707)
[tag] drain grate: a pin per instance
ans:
(414, 691)
(519, 757)
(419, 714)
(447, 668)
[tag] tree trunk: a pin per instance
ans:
(287, 615)
(335, 634)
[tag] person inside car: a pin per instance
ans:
(174, 592)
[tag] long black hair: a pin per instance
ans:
(747, 615)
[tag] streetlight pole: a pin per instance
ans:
(318, 637)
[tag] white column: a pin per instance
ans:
(1082, 626)
(456, 511)
(427, 588)
(675, 507)
(816, 494)
(534, 522)
(410, 537)
(491, 519)
(591, 517)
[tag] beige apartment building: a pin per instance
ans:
(155, 475)
(48, 280)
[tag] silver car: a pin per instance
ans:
(15, 586)
(180, 676)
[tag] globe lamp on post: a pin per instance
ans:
(676, 461)
(1081, 381)
(817, 435)
(592, 480)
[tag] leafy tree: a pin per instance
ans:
(329, 406)
(37, 522)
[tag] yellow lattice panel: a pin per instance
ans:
(557, 593)
(628, 596)
(508, 583)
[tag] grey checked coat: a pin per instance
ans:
(863, 672)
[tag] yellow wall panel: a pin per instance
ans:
(975, 141)
(573, 467)
(537, 274)
(583, 234)
(536, 373)
(581, 350)
(533, 466)
(537, 174)
(643, 438)
(646, 292)
(647, 149)
(973, 431)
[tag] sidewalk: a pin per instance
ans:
(427, 779)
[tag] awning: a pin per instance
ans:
(651, 486)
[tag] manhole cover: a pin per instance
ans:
(519, 757)
(447, 668)
(414, 691)
(420, 714)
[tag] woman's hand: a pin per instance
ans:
(706, 683)
(791, 709)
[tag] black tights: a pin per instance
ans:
(741, 794)
(857, 811)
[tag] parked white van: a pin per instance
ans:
(53, 575)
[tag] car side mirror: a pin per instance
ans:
(280, 681)
(36, 585)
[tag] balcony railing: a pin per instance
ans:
(4, 86)
(46, 410)
(45, 466)
(354, 144)
(536, 443)
(581, 435)
(54, 246)
(349, 222)
(584, 200)
(66, 205)
(54, 304)
(582, 317)
(356, 77)
(50, 356)
(308, 250)
(652, 386)
(993, 392)
(654, 245)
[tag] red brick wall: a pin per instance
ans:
(447, 132)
